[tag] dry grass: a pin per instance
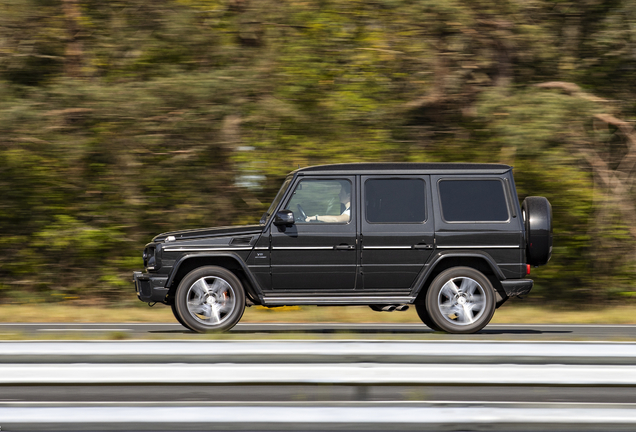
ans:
(554, 315)
(77, 313)
(514, 312)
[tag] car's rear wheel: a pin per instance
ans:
(461, 300)
(210, 299)
(426, 317)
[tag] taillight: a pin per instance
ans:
(527, 269)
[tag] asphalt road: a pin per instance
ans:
(535, 332)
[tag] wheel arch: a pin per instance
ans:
(481, 262)
(229, 261)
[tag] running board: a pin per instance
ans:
(336, 301)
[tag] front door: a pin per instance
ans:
(397, 230)
(318, 252)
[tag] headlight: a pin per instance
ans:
(149, 257)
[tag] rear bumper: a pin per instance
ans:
(517, 287)
(150, 288)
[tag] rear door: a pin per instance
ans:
(397, 230)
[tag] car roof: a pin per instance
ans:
(405, 168)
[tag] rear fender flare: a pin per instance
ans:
(424, 278)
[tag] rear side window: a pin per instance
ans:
(473, 201)
(395, 201)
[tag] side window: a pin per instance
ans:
(396, 200)
(322, 201)
(473, 201)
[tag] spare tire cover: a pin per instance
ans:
(537, 215)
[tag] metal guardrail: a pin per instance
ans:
(303, 363)
(318, 374)
(290, 351)
(368, 418)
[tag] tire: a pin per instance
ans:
(461, 300)
(426, 317)
(210, 299)
(537, 217)
(173, 306)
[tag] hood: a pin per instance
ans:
(210, 232)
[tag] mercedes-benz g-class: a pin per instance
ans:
(450, 239)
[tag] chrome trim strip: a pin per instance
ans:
(310, 266)
(303, 248)
(262, 248)
(338, 300)
(387, 247)
(205, 249)
(479, 247)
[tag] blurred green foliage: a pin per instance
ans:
(123, 119)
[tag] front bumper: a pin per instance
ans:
(150, 288)
(517, 287)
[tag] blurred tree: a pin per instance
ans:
(119, 120)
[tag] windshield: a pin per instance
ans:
(279, 196)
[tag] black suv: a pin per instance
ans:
(450, 239)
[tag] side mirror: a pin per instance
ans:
(284, 218)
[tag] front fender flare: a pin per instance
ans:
(254, 290)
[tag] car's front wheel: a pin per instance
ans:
(177, 316)
(210, 299)
(461, 300)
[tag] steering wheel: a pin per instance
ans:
(303, 215)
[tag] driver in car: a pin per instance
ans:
(345, 199)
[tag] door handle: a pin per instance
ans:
(344, 247)
(423, 246)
